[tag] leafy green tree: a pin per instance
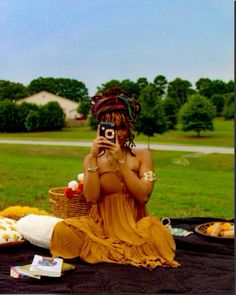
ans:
(107, 85)
(180, 90)
(203, 86)
(131, 86)
(228, 110)
(69, 88)
(142, 82)
(171, 110)
(152, 118)
(230, 86)
(72, 89)
(93, 122)
(8, 116)
(219, 87)
(218, 102)
(208, 88)
(197, 114)
(84, 107)
(41, 84)
(126, 84)
(160, 83)
(12, 91)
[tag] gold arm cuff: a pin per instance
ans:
(92, 169)
(150, 176)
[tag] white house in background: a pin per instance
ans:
(69, 107)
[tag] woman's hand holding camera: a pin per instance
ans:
(102, 143)
(115, 151)
(99, 143)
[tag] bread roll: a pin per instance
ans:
(216, 228)
(227, 233)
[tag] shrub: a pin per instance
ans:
(29, 117)
(93, 122)
(32, 121)
(52, 116)
(8, 116)
(23, 111)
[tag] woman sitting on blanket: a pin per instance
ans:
(118, 181)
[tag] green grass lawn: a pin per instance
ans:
(223, 135)
(203, 187)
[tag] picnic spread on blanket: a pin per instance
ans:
(203, 250)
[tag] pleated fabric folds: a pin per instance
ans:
(118, 230)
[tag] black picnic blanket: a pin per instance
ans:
(207, 267)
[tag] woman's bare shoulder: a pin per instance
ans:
(87, 158)
(142, 153)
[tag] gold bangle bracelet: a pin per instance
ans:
(92, 169)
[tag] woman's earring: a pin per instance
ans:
(126, 143)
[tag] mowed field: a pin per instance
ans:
(223, 135)
(188, 184)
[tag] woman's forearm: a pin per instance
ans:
(91, 188)
(141, 191)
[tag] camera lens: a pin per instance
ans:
(109, 134)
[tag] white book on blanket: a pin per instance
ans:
(46, 266)
(22, 271)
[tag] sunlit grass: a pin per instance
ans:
(223, 135)
(203, 187)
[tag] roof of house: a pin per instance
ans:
(44, 96)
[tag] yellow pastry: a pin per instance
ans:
(214, 229)
(228, 233)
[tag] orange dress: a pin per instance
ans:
(117, 230)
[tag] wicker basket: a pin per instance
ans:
(64, 207)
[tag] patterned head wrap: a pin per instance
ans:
(115, 99)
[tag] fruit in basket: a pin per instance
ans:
(221, 229)
(226, 226)
(228, 233)
(214, 229)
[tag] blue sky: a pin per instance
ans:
(94, 41)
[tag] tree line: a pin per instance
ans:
(29, 117)
(163, 103)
